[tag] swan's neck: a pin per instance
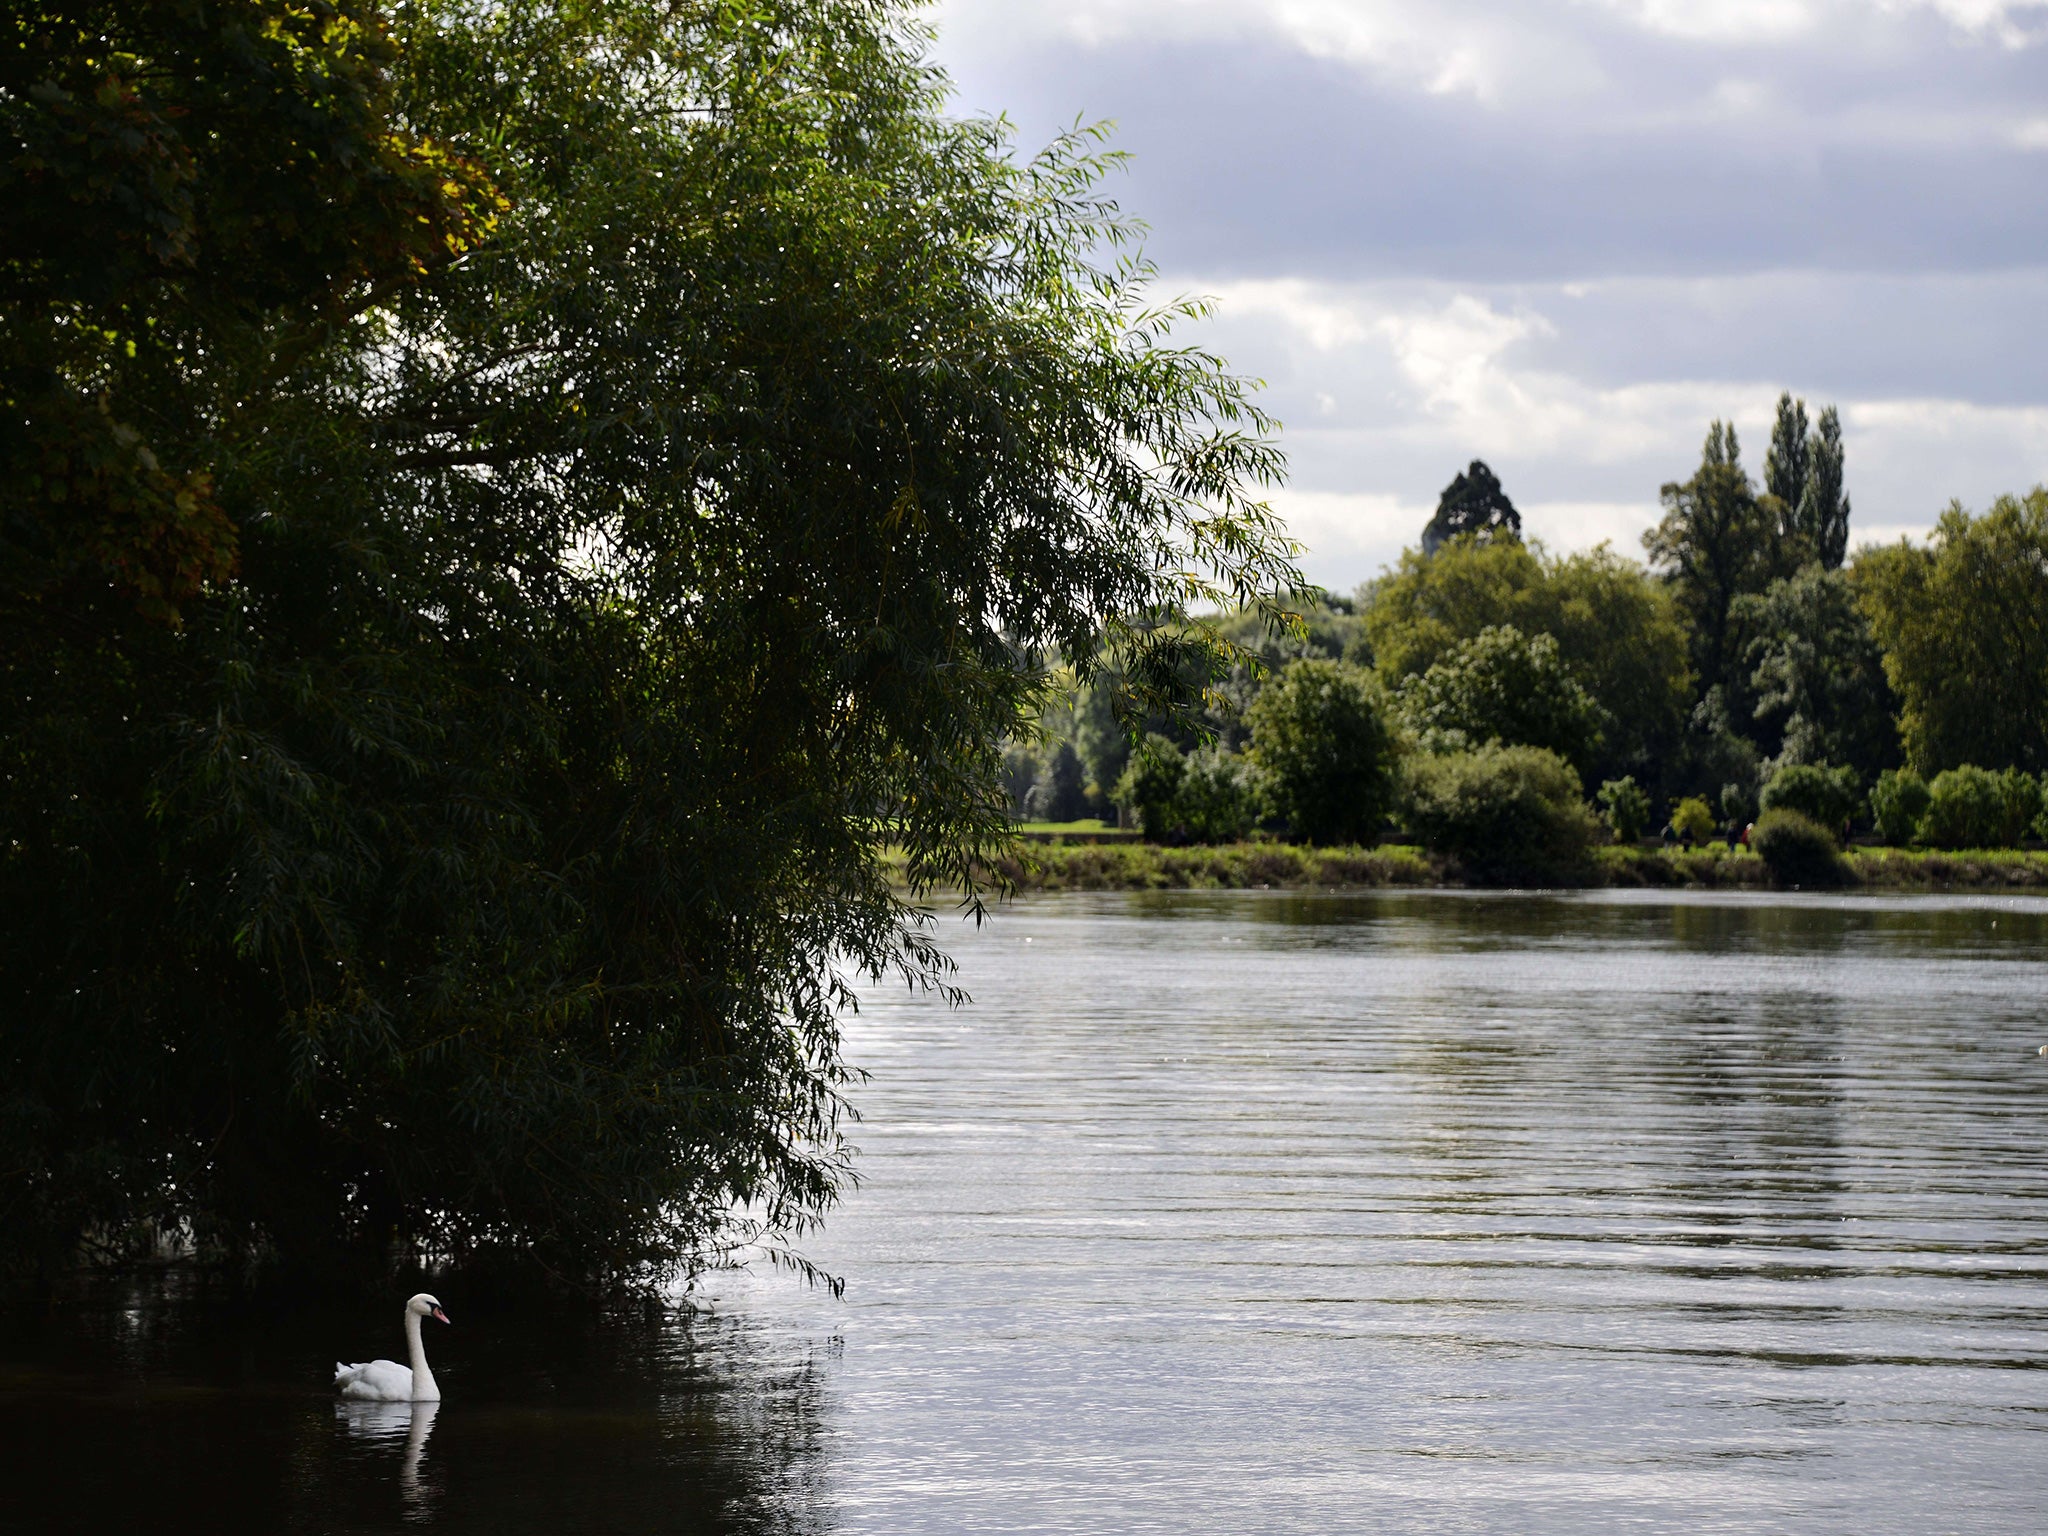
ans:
(423, 1388)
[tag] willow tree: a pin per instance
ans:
(484, 859)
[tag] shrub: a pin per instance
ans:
(1797, 849)
(1322, 730)
(2021, 795)
(1504, 813)
(1897, 803)
(1818, 792)
(1627, 808)
(1968, 807)
(1692, 818)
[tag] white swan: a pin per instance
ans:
(386, 1381)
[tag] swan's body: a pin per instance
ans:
(386, 1381)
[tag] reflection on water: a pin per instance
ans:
(1406, 1212)
(409, 1424)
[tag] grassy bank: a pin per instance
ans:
(1134, 866)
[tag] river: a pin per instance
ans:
(1257, 1212)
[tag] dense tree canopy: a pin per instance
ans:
(1618, 631)
(1964, 629)
(1818, 676)
(480, 859)
(1506, 687)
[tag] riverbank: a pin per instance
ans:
(1286, 866)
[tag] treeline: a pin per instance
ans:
(1750, 665)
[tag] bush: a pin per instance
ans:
(1816, 791)
(1797, 849)
(1322, 730)
(1504, 813)
(1693, 818)
(1627, 808)
(1897, 803)
(1971, 807)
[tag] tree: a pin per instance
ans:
(1716, 542)
(1823, 516)
(1472, 506)
(1803, 478)
(1502, 686)
(1789, 459)
(1060, 791)
(1818, 676)
(1825, 795)
(1618, 632)
(1323, 730)
(485, 862)
(1963, 626)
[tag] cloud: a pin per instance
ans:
(1389, 389)
(1563, 235)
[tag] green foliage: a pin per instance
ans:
(1803, 478)
(1473, 506)
(1150, 784)
(1506, 814)
(1627, 808)
(1829, 796)
(1964, 629)
(1972, 807)
(1693, 818)
(1796, 849)
(486, 863)
(1503, 812)
(1205, 796)
(1617, 630)
(1324, 731)
(1716, 542)
(1819, 676)
(1222, 797)
(1897, 802)
(196, 195)
(1502, 686)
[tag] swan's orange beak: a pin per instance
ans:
(440, 1316)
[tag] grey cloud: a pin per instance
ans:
(1254, 157)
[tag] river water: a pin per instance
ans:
(1256, 1212)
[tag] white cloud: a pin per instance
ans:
(1404, 384)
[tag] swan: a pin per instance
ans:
(386, 1381)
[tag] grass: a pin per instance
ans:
(1138, 866)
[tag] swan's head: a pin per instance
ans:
(424, 1305)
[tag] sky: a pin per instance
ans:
(1564, 235)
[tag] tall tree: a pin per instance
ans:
(1788, 460)
(483, 862)
(1716, 542)
(1964, 630)
(1473, 504)
(1823, 517)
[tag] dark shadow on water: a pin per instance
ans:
(152, 1405)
